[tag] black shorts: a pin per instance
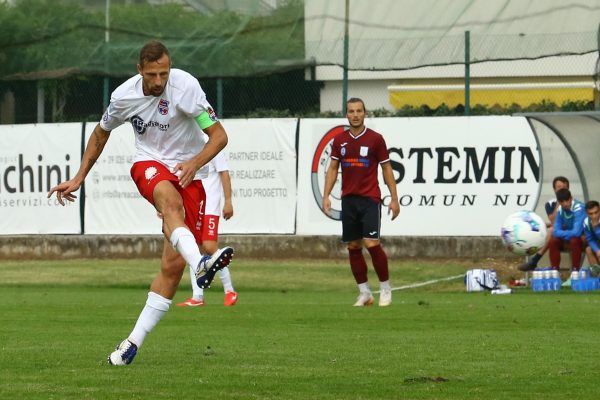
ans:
(361, 218)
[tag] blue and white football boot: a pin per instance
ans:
(209, 265)
(123, 354)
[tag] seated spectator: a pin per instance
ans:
(551, 207)
(591, 229)
(567, 230)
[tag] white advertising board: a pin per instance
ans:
(456, 176)
(262, 162)
(113, 204)
(33, 159)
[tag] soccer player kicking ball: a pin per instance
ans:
(360, 151)
(168, 112)
(217, 187)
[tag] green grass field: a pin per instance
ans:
(293, 335)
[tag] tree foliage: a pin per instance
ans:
(47, 38)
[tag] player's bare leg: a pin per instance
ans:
(169, 204)
(177, 236)
(171, 270)
(162, 290)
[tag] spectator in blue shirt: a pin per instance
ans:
(567, 230)
(551, 207)
(591, 228)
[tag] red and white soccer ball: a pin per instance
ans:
(523, 233)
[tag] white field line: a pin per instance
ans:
(419, 284)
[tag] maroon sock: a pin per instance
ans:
(358, 265)
(380, 262)
(576, 247)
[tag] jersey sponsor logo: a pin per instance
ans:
(140, 126)
(105, 116)
(319, 166)
(163, 107)
(212, 114)
(355, 162)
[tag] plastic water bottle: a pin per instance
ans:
(555, 280)
(586, 276)
(536, 282)
(575, 281)
(547, 279)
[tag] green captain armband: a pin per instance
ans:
(207, 118)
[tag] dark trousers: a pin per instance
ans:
(575, 247)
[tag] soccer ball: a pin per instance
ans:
(524, 233)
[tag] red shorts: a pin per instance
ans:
(210, 228)
(147, 174)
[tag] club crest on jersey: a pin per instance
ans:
(364, 151)
(343, 151)
(150, 173)
(163, 107)
(212, 114)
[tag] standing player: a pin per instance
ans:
(360, 151)
(217, 186)
(168, 111)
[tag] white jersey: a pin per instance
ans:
(213, 185)
(164, 126)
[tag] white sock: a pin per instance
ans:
(225, 277)
(364, 287)
(183, 240)
(197, 291)
(385, 285)
(156, 306)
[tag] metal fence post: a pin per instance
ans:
(346, 45)
(467, 72)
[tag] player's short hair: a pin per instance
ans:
(356, 100)
(152, 51)
(560, 179)
(563, 195)
(591, 205)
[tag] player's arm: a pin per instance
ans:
(590, 238)
(95, 145)
(330, 177)
(577, 229)
(388, 178)
(217, 140)
(227, 205)
(552, 215)
(557, 229)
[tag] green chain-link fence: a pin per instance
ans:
(59, 59)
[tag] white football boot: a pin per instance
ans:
(385, 297)
(364, 299)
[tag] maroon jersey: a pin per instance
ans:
(360, 157)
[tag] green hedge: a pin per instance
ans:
(441, 111)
